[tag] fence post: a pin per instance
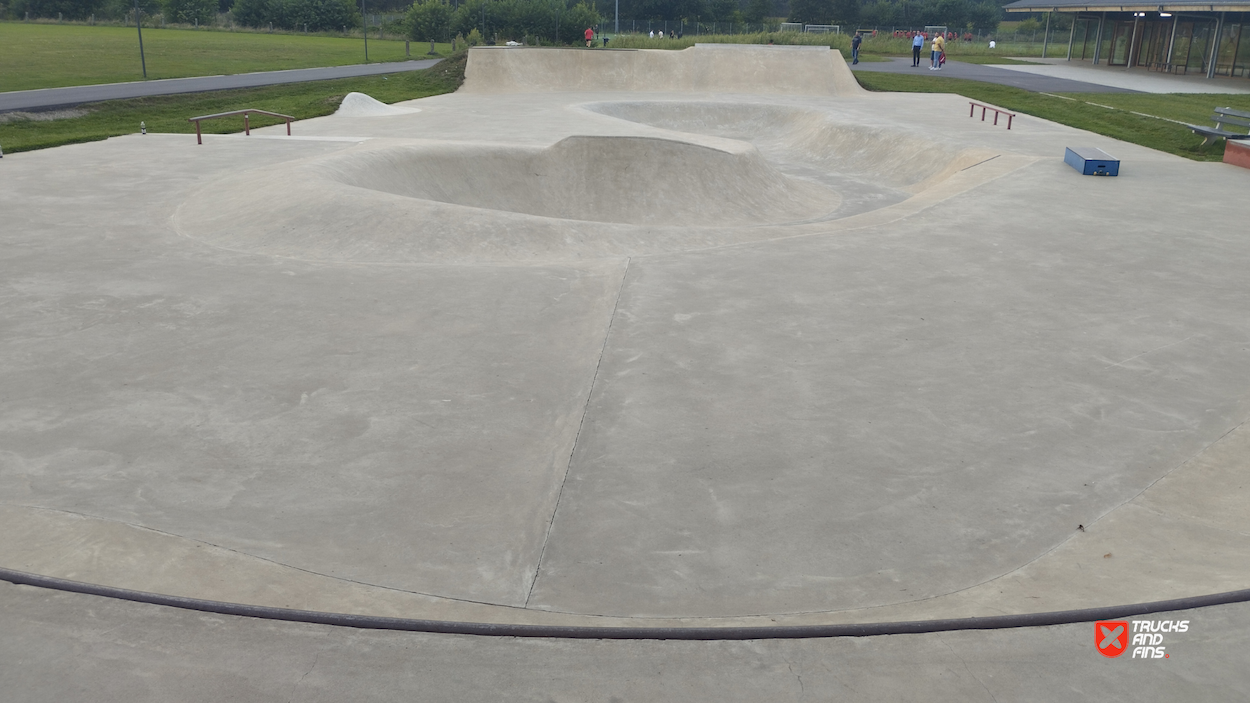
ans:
(1046, 35)
(1072, 36)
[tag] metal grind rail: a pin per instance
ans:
(247, 128)
(972, 107)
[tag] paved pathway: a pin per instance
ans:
(1136, 79)
(992, 74)
(77, 95)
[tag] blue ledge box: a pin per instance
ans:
(1092, 162)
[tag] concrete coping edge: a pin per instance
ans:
(372, 622)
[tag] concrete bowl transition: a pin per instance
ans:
(629, 338)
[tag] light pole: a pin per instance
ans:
(139, 26)
(364, 19)
(618, 20)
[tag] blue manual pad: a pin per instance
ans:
(1092, 162)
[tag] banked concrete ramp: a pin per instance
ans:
(703, 68)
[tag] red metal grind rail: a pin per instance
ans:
(972, 107)
(247, 128)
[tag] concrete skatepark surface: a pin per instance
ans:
(355, 371)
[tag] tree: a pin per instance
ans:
(846, 12)
(757, 11)
(724, 11)
(880, 14)
(575, 21)
(811, 11)
(68, 9)
(954, 13)
(984, 18)
(189, 11)
(316, 15)
(428, 20)
(515, 19)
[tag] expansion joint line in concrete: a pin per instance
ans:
(488, 629)
(580, 424)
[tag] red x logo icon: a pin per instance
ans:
(1111, 636)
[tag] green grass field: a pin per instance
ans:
(1113, 115)
(170, 113)
(51, 56)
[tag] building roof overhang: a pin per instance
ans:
(1121, 6)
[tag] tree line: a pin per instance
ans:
(554, 21)
(560, 21)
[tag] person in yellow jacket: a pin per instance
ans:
(939, 46)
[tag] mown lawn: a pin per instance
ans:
(1112, 114)
(169, 113)
(51, 56)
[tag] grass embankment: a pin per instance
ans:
(52, 56)
(169, 113)
(1113, 114)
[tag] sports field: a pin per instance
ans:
(51, 56)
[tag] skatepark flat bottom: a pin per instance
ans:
(628, 357)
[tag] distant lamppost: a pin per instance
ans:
(139, 26)
(365, 24)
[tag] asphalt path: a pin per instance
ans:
(989, 74)
(49, 98)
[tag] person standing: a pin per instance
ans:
(917, 43)
(859, 39)
(590, 37)
(939, 46)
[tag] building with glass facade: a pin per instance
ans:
(1173, 37)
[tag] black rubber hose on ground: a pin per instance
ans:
(371, 622)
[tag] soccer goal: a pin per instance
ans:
(791, 26)
(932, 29)
(823, 29)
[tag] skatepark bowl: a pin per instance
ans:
(629, 343)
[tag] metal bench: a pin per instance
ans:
(1223, 116)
